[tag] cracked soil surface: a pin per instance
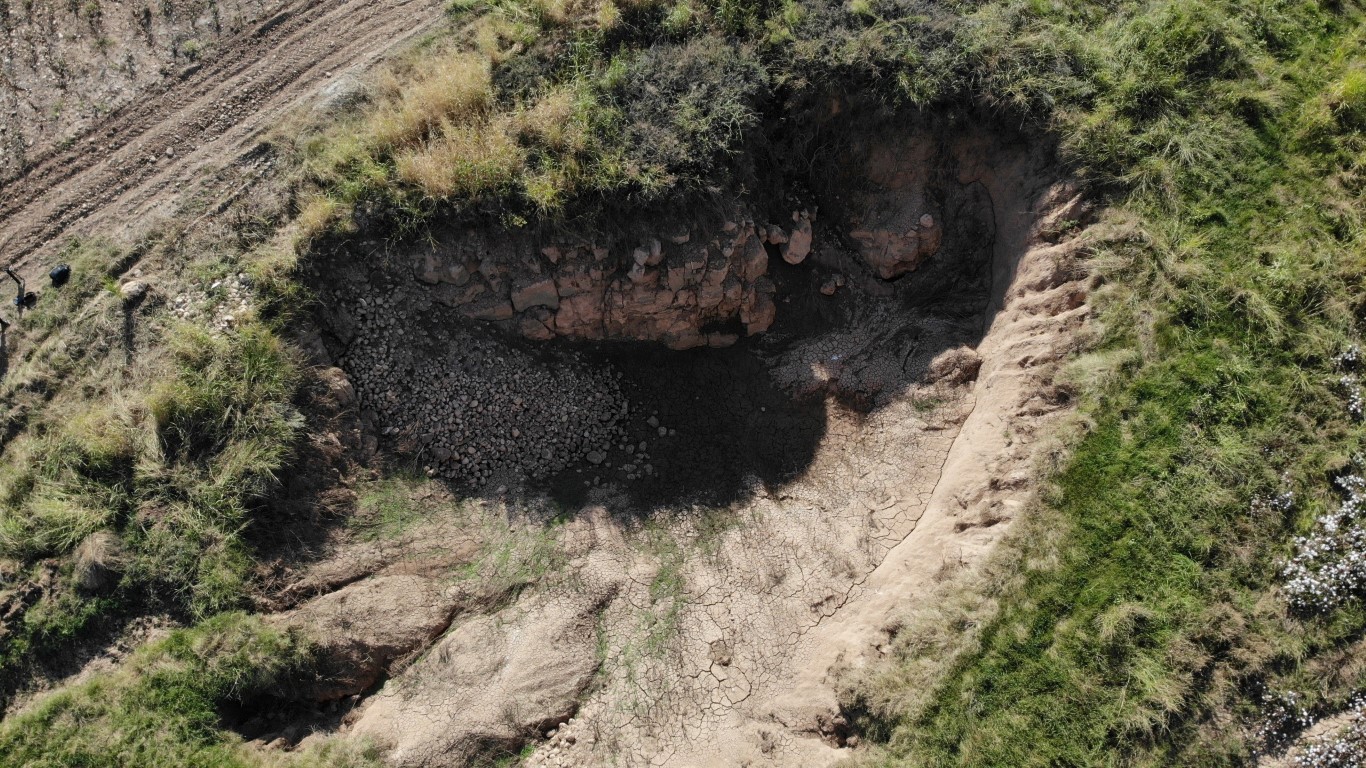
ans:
(674, 631)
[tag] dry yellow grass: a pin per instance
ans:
(551, 123)
(316, 215)
(463, 160)
(453, 89)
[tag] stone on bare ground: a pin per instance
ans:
(364, 627)
(470, 408)
(798, 245)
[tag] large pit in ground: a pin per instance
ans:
(690, 361)
(734, 428)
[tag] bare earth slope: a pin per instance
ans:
(706, 636)
(151, 155)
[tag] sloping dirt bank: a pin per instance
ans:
(804, 484)
(189, 136)
(69, 65)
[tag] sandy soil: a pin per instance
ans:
(169, 145)
(891, 498)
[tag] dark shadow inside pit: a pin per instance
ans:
(722, 425)
(729, 424)
(709, 426)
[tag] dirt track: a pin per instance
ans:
(150, 156)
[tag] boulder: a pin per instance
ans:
(753, 261)
(428, 269)
(955, 366)
(758, 310)
(656, 253)
(889, 254)
(892, 254)
(338, 386)
(133, 291)
(798, 244)
(455, 274)
(534, 292)
(340, 95)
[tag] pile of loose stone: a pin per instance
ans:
(474, 409)
(223, 304)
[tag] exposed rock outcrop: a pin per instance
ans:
(499, 680)
(668, 289)
(892, 253)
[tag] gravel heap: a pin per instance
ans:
(471, 408)
(223, 304)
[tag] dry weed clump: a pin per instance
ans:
(462, 161)
(98, 561)
(454, 89)
(544, 112)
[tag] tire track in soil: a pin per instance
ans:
(119, 172)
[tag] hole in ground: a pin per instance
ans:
(636, 426)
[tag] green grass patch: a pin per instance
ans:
(161, 706)
(1154, 630)
(134, 479)
(388, 508)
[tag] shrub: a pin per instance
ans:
(229, 392)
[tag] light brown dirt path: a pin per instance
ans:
(148, 157)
